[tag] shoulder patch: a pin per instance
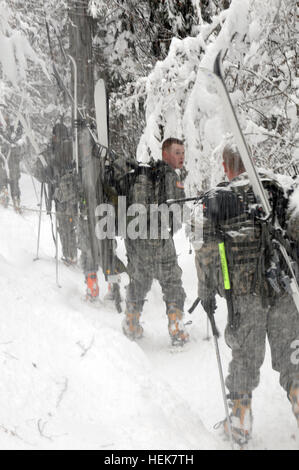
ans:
(180, 185)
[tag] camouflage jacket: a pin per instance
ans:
(11, 140)
(63, 184)
(248, 251)
(153, 191)
(147, 184)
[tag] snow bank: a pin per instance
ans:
(69, 378)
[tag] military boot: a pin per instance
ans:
(294, 399)
(92, 292)
(241, 420)
(176, 327)
(131, 326)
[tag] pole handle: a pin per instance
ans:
(211, 317)
(194, 305)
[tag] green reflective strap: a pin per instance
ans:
(224, 266)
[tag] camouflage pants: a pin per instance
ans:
(3, 178)
(67, 224)
(153, 259)
(88, 264)
(14, 174)
(280, 324)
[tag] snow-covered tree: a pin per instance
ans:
(258, 39)
(30, 90)
(150, 54)
(130, 38)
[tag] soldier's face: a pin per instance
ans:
(174, 156)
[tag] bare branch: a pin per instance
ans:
(62, 393)
(85, 349)
(41, 427)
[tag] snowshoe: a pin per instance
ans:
(131, 326)
(241, 422)
(176, 327)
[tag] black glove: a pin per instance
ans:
(209, 304)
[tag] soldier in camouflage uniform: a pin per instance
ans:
(60, 175)
(65, 192)
(12, 147)
(150, 259)
(260, 312)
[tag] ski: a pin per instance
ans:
(101, 101)
(102, 112)
(217, 80)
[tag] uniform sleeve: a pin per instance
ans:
(174, 189)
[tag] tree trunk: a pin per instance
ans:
(80, 35)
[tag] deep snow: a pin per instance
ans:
(71, 380)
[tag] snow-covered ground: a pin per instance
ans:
(71, 380)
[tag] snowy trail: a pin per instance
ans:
(71, 380)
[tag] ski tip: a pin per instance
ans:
(217, 65)
(100, 84)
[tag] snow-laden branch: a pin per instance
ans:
(15, 50)
(180, 103)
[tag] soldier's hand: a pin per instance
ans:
(209, 303)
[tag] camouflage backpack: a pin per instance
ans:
(233, 216)
(136, 181)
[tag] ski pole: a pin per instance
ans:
(191, 310)
(194, 305)
(220, 369)
(40, 219)
(75, 144)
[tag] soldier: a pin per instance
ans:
(61, 178)
(97, 253)
(262, 307)
(65, 193)
(12, 143)
(150, 258)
